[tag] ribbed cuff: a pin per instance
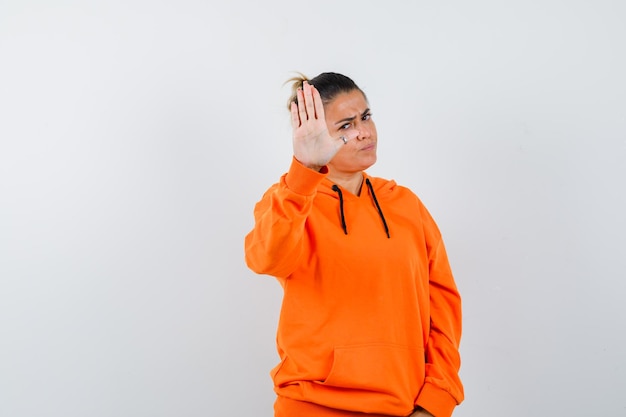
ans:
(302, 180)
(436, 401)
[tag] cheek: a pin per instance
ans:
(345, 154)
(350, 149)
(373, 129)
(350, 154)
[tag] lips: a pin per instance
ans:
(369, 147)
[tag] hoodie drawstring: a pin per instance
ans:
(380, 212)
(336, 189)
(343, 218)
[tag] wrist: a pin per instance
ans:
(316, 168)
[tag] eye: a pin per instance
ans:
(346, 126)
(366, 116)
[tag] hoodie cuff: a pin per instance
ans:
(436, 401)
(302, 180)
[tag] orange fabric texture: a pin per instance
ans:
(286, 407)
(369, 323)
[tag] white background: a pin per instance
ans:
(136, 136)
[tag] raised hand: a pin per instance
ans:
(313, 145)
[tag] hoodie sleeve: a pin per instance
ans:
(442, 389)
(275, 244)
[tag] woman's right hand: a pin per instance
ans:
(313, 145)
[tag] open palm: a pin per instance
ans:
(313, 145)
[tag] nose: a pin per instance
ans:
(364, 133)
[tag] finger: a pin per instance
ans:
(295, 118)
(318, 104)
(308, 100)
(301, 107)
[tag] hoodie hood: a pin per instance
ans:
(382, 187)
(371, 187)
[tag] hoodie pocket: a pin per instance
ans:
(386, 368)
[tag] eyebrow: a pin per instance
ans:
(349, 119)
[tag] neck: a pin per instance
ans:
(351, 183)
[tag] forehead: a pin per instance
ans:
(347, 104)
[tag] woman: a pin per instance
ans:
(371, 317)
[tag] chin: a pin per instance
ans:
(371, 161)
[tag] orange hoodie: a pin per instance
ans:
(371, 317)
